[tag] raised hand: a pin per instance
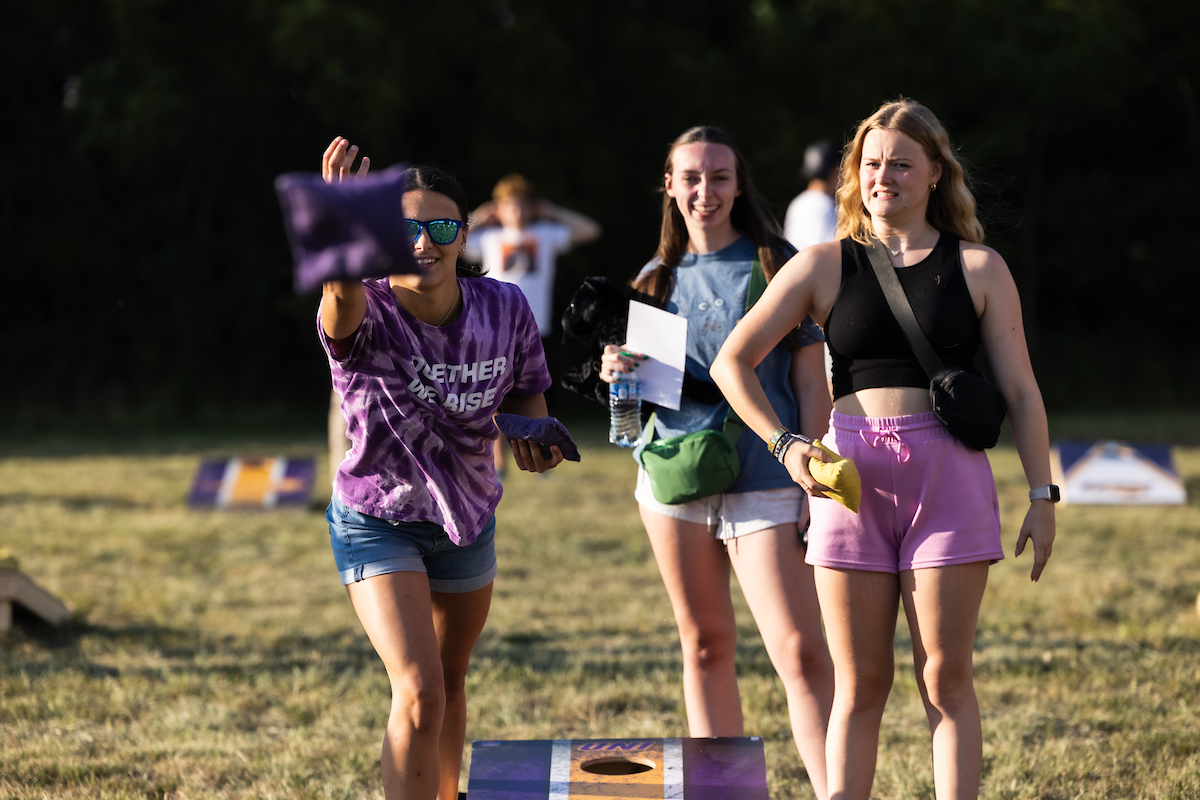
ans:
(338, 159)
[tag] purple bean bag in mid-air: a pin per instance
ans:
(344, 231)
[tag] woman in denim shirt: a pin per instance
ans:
(714, 228)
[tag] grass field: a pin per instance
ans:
(214, 655)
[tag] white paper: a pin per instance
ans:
(662, 336)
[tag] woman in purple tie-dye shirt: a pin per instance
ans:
(422, 361)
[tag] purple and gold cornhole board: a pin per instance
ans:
(592, 769)
(253, 482)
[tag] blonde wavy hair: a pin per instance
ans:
(951, 206)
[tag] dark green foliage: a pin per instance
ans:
(146, 271)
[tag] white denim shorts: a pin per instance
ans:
(731, 514)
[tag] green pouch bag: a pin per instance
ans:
(694, 465)
(685, 468)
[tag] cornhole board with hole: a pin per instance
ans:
(1116, 473)
(590, 769)
(17, 587)
(253, 482)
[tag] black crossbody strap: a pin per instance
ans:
(902, 310)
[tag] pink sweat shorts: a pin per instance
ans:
(928, 500)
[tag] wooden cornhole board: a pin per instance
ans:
(17, 587)
(248, 482)
(1111, 472)
(591, 769)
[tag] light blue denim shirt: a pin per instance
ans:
(710, 290)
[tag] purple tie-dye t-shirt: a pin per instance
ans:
(419, 399)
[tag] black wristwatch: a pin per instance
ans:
(1048, 492)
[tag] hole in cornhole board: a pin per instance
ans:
(617, 766)
(600, 769)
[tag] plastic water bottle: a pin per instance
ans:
(625, 411)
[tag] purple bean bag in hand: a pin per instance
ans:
(344, 231)
(545, 431)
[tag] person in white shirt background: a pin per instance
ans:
(517, 237)
(811, 216)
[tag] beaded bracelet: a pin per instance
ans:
(781, 437)
(786, 442)
(773, 442)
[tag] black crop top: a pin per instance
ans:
(866, 343)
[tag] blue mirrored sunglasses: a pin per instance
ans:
(441, 231)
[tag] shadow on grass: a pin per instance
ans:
(73, 502)
(579, 666)
(1107, 655)
(604, 654)
(36, 648)
(186, 651)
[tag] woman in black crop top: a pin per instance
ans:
(928, 527)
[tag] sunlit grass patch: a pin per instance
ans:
(215, 655)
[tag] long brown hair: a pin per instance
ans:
(951, 206)
(749, 216)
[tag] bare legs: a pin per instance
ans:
(695, 571)
(942, 607)
(424, 639)
(860, 622)
(780, 591)
(778, 586)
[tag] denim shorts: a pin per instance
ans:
(731, 514)
(366, 546)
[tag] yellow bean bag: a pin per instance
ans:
(840, 475)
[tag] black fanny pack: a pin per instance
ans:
(970, 407)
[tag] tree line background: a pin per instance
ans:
(146, 273)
